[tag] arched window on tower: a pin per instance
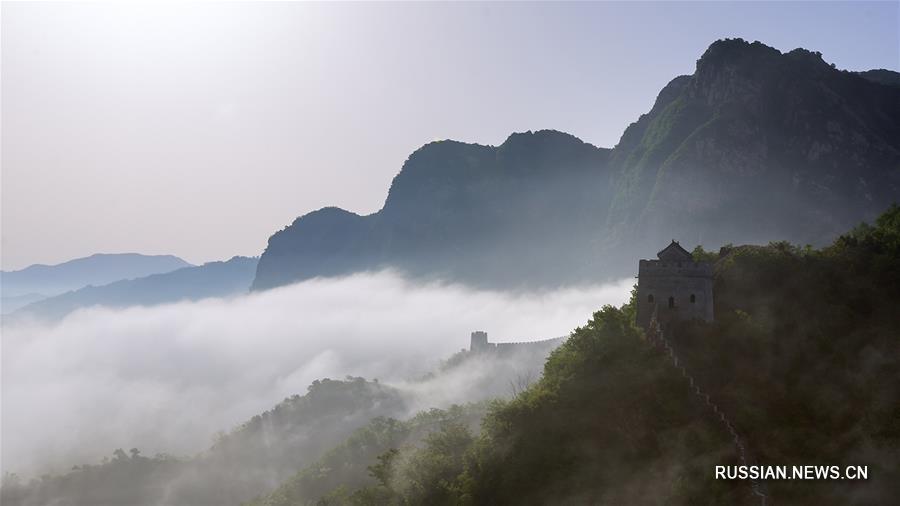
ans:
(693, 298)
(650, 298)
(671, 302)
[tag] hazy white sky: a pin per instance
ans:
(200, 129)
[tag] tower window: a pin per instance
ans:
(650, 298)
(671, 302)
(693, 298)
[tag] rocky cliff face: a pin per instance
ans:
(754, 146)
(758, 145)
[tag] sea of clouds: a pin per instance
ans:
(167, 378)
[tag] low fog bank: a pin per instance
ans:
(166, 378)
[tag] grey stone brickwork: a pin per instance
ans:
(679, 287)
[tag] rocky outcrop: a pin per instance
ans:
(756, 145)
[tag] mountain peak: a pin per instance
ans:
(818, 143)
(733, 50)
(755, 57)
(541, 136)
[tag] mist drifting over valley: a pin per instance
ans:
(244, 247)
(167, 378)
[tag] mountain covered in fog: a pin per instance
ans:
(212, 279)
(39, 281)
(613, 420)
(246, 461)
(316, 441)
(755, 145)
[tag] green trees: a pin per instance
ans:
(802, 356)
(609, 422)
(607, 412)
(388, 462)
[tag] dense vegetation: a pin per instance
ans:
(608, 423)
(343, 470)
(803, 355)
(253, 458)
(303, 433)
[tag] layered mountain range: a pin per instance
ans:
(37, 282)
(756, 145)
(212, 279)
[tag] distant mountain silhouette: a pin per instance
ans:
(39, 281)
(461, 211)
(14, 302)
(213, 279)
(754, 146)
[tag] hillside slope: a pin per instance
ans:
(249, 460)
(802, 356)
(315, 443)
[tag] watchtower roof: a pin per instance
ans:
(675, 253)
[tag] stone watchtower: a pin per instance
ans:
(677, 286)
(479, 341)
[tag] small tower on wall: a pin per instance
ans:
(676, 286)
(479, 341)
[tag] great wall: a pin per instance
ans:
(479, 344)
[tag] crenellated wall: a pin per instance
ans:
(479, 344)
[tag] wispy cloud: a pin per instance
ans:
(166, 378)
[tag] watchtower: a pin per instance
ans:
(479, 341)
(676, 286)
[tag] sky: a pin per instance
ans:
(200, 129)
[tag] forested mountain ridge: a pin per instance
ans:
(756, 145)
(304, 434)
(252, 458)
(802, 357)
